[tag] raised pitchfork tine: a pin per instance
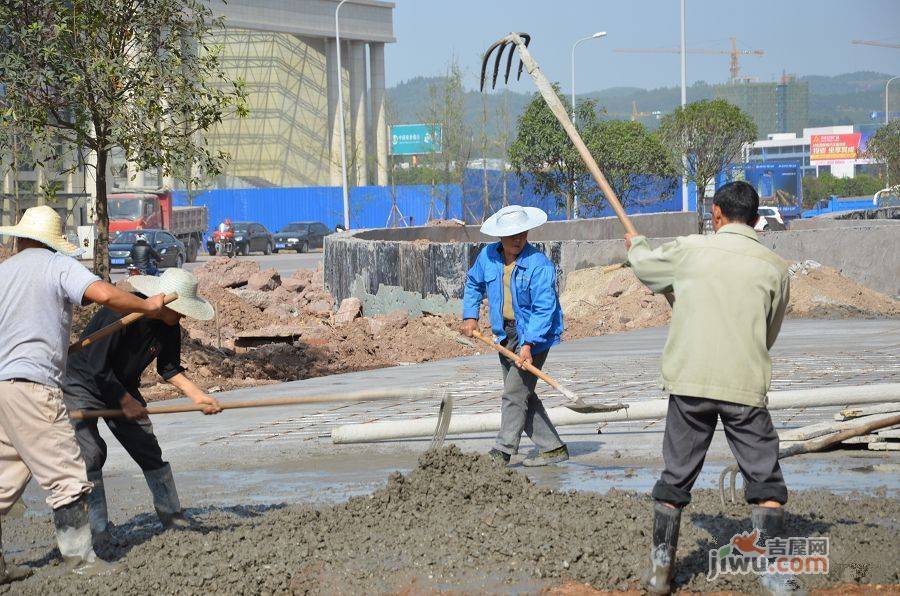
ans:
(487, 56)
(497, 61)
(527, 39)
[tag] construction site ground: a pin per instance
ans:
(281, 509)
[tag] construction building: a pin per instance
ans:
(285, 51)
(781, 107)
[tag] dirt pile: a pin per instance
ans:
(458, 522)
(597, 301)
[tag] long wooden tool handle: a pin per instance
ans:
(261, 403)
(113, 327)
(863, 429)
(514, 357)
(559, 110)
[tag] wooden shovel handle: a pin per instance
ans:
(113, 327)
(260, 403)
(514, 357)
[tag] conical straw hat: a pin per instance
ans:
(43, 225)
(184, 284)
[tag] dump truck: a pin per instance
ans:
(154, 210)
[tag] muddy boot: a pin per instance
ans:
(770, 523)
(10, 573)
(499, 456)
(165, 498)
(73, 535)
(97, 512)
(555, 456)
(666, 523)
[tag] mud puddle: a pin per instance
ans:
(457, 520)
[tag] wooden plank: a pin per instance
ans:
(850, 413)
(862, 440)
(885, 446)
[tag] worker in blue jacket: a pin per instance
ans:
(520, 284)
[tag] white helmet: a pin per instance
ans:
(140, 237)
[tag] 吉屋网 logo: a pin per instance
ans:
(792, 556)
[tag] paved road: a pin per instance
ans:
(285, 262)
(268, 455)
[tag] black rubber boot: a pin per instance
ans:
(666, 524)
(10, 573)
(165, 498)
(73, 535)
(770, 523)
(97, 511)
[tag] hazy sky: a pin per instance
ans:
(800, 36)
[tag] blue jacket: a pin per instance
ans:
(539, 320)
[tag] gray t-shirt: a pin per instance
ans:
(37, 290)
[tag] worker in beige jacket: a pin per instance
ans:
(730, 297)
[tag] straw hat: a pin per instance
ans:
(43, 225)
(513, 220)
(181, 282)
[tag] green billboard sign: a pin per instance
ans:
(415, 139)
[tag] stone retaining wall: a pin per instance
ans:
(423, 269)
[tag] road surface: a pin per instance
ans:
(285, 262)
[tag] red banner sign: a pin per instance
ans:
(840, 147)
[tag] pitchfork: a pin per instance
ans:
(520, 41)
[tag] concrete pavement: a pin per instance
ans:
(278, 454)
(285, 262)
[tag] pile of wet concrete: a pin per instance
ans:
(457, 522)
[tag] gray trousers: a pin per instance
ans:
(690, 424)
(521, 409)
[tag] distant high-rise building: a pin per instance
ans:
(781, 107)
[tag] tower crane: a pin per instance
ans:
(734, 52)
(880, 44)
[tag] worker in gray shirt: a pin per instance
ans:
(731, 293)
(41, 283)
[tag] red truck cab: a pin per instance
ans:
(139, 211)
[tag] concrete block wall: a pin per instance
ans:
(423, 269)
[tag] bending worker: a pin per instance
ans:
(525, 315)
(107, 375)
(731, 293)
(41, 283)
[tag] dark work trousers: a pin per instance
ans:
(521, 408)
(690, 424)
(136, 436)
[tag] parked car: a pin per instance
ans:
(249, 236)
(170, 248)
(301, 236)
(772, 212)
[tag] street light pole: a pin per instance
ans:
(596, 35)
(340, 108)
(684, 188)
(887, 113)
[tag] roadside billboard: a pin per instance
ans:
(778, 184)
(415, 139)
(833, 149)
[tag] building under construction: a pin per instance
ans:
(774, 107)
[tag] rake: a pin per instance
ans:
(520, 41)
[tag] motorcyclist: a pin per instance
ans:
(144, 257)
(225, 227)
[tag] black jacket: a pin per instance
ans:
(141, 255)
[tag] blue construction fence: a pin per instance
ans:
(835, 205)
(373, 206)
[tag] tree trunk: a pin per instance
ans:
(101, 243)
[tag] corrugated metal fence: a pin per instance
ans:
(372, 206)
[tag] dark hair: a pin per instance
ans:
(738, 201)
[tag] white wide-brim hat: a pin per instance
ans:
(513, 220)
(184, 284)
(43, 224)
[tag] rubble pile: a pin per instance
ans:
(597, 301)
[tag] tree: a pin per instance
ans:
(884, 147)
(633, 161)
(710, 134)
(543, 150)
(93, 75)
